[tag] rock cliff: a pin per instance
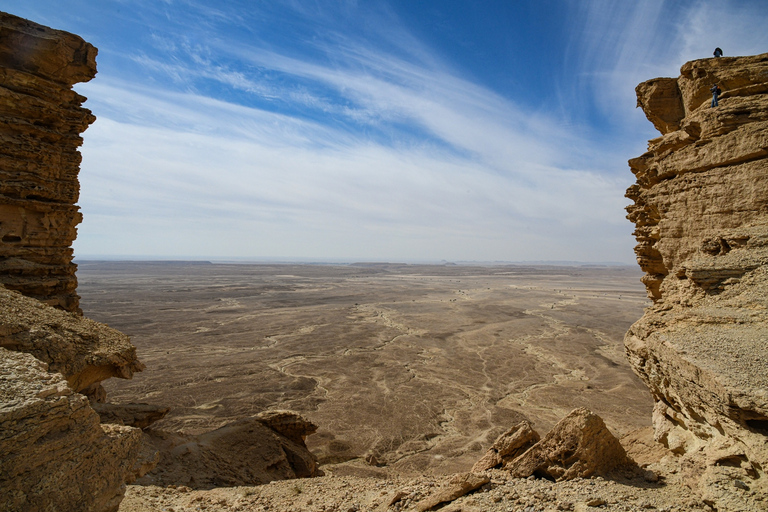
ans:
(41, 119)
(701, 216)
(54, 453)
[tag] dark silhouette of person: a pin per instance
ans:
(715, 90)
(718, 52)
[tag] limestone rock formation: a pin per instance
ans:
(244, 452)
(701, 216)
(54, 454)
(511, 444)
(84, 351)
(579, 446)
(41, 119)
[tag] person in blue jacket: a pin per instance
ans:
(715, 90)
(718, 52)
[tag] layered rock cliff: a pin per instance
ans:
(701, 216)
(41, 119)
(54, 453)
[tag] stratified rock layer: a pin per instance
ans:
(54, 454)
(41, 119)
(701, 215)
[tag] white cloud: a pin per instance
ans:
(264, 182)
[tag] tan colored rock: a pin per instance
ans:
(456, 487)
(244, 452)
(662, 102)
(508, 446)
(701, 216)
(84, 351)
(41, 119)
(54, 454)
(579, 446)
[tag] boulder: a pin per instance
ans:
(579, 446)
(457, 486)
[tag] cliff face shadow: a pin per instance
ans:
(414, 367)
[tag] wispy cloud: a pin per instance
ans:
(616, 45)
(251, 130)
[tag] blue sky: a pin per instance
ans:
(375, 130)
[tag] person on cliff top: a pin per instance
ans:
(718, 52)
(715, 90)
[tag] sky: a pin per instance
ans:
(402, 130)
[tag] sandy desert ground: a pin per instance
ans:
(407, 369)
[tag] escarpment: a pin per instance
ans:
(701, 216)
(54, 452)
(41, 119)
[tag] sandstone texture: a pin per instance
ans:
(701, 216)
(54, 454)
(84, 351)
(41, 119)
(249, 451)
(579, 446)
(511, 444)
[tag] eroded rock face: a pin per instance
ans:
(701, 216)
(84, 351)
(54, 454)
(249, 451)
(41, 119)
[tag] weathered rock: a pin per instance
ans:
(244, 452)
(456, 487)
(579, 446)
(41, 119)
(701, 215)
(84, 351)
(508, 446)
(288, 424)
(133, 415)
(54, 454)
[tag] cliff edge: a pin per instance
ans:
(701, 216)
(41, 119)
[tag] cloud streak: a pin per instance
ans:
(285, 130)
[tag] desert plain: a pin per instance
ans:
(406, 369)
